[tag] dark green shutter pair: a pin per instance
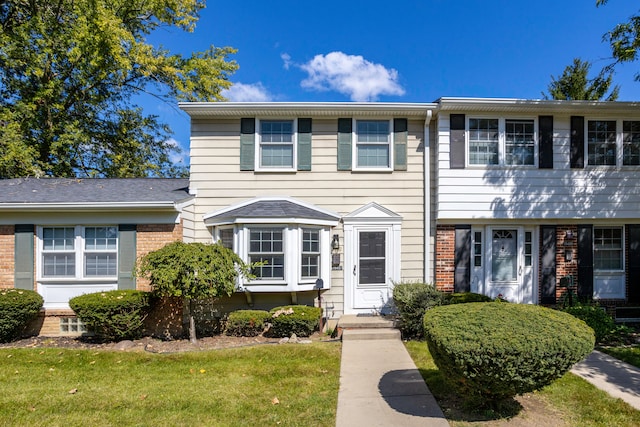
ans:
(457, 142)
(24, 256)
(248, 141)
(400, 137)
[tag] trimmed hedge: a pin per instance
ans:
(602, 324)
(465, 297)
(113, 315)
(246, 323)
(411, 300)
(494, 351)
(17, 308)
(301, 320)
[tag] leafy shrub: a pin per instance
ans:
(246, 323)
(602, 324)
(465, 297)
(113, 315)
(491, 352)
(411, 300)
(301, 320)
(17, 308)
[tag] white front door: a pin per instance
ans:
(371, 290)
(510, 273)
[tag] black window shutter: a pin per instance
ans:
(462, 272)
(633, 270)
(304, 144)
(23, 257)
(577, 142)
(585, 262)
(457, 153)
(344, 144)
(545, 146)
(548, 264)
(247, 144)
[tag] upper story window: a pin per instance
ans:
(276, 147)
(631, 143)
(373, 144)
(500, 141)
(601, 142)
(63, 249)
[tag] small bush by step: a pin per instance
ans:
(246, 323)
(411, 300)
(17, 308)
(597, 318)
(113, 315)
(301, 320)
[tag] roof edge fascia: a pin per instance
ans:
(81, 206)
(540, 105)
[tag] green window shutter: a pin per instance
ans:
(400, 136)
(304, 144)
(344, 144)
(247, 144)
(23, 274)
(126, 256)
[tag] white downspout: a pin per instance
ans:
(427, 200)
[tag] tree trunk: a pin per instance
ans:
(190, 304)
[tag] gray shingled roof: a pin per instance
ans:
(274, 209)
(97, 190)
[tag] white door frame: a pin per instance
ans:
(371, 217)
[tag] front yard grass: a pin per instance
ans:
(631, 355)
(574, 400)
(283, 385)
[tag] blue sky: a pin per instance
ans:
(400, 51)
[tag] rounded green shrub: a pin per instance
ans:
(246, 323)
(301, 320)
(465, 297)
(491, 352)
(411, 300)
(17, 308)
(597, 318)
(113, 315)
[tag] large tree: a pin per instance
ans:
(575, 84)
(69, 74)
(624, 39)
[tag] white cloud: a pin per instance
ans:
(286, 58)
(241, 92)
(181, 157)
(351, 75)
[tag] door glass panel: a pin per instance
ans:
(372, 257)
(504, 256)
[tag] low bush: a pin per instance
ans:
(411, 300)
(491, 352)
(246, 323)
(602, 324)
(17, 308)
(301, 320)
(465, 297)
(113, 315)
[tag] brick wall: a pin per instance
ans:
(150, 237)
(564, 267)
(445, 257)
(7, 254)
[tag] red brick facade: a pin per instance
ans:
(445, 257)
(7, 255)
(564, 267)
(150, 237)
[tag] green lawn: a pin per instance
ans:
(579, 403)
(630, 355)
(283, 385)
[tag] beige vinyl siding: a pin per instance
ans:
(216, 176)
(533, 194)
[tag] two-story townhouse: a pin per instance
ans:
(328, 196)
(532, 196)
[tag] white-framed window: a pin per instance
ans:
(608, 253)
(276, 146)
(631, 143)
(601, 142)
(494, 141)
(79, 252)
(310, 254)
(266, 245)
(373, 147)
(225, 237)
(477, 249)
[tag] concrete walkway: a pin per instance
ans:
(381, 386)
(617, 378)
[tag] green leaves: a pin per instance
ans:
(69, 72)
(574, 84)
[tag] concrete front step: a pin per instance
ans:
(353, 321)
(370, 334)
